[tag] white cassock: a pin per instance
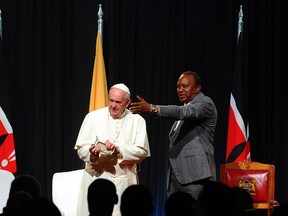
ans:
(129, 134)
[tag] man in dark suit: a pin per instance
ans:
(191, 149)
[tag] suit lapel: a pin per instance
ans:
(174, 132)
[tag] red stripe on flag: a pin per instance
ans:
(235, 134)
(7, 150)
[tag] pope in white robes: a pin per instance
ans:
(111, 142)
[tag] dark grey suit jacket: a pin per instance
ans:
(191, 150)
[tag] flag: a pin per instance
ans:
(238, 145)
(99, 90)
(7, 149)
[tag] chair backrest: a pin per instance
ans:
(65, 190)
(6, 179)
(257, 178)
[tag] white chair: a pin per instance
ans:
(65, 190)
(6, 178)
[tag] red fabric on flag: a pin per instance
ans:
(235, 138)
(7, 149)
(235, 134)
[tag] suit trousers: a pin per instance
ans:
(193, 188)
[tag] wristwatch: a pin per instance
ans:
(153, 109)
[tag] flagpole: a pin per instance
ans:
(99, 89)
(1, 36)
(100, 19)
(240, 22)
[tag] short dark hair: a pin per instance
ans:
(102, 196)
(196, 76)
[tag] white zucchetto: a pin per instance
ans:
(121, 86)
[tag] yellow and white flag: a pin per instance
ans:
(99, 90)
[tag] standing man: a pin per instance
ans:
(111, 142)
(191, 149)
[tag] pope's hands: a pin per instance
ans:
(94, 153)
(141, 106)
(112, 147)
(94, 150)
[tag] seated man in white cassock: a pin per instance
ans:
(111, 142)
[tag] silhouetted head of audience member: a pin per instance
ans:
(26, 183)
(22, 188)
(215, 198)
(136, 200)
(281, 210)
(102, 197)
(244, 202)
(243, 199)
(15, 202)
(40, 206)
(180, 203)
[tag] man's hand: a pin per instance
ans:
(94, 149)
(94, 153)
(112, 147)
(139, 107)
